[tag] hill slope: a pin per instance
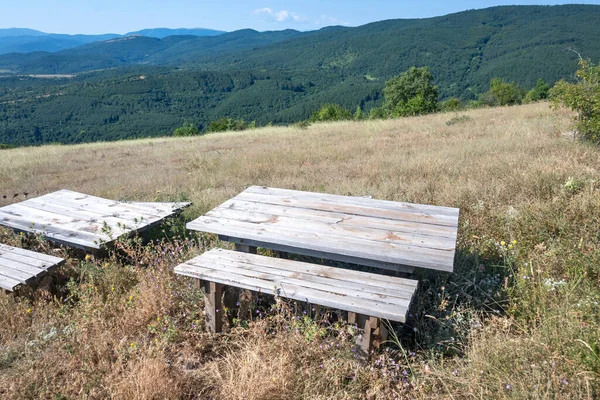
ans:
(518, 318)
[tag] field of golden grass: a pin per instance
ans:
(519, 318)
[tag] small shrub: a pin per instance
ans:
(228, 124)
(459, 119)
(331, 112)
(188, 129)
(302, 124)
(452, 104)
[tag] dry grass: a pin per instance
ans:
(518, 322)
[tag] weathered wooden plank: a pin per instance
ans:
(23, 266)
(24, 260)
(378, 309)
(9, 262)
(359, 279)
(77, 213)
(364, 209)
(31, 254)
(282, 279)
(7, 283)
(102, 206)
(340, 218)
(41, 218)
(331, 244)
(15, 274)
(386, 236)
(63, 235)
(354, 200)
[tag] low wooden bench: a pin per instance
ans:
(367, 297)
(21, 267)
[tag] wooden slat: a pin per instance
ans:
(349, 246)
(7, 283)
(400, 298)
(340, 218)
(20, 266)
(62, 235)
(367, 280)
(15, 274)
(354, 200)
(31, 254)
(29, 270)
(76, 212)
(402, 214)
(104, 206)
(209, 267)
(380, 235)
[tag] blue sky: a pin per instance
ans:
(121, 16)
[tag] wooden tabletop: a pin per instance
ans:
(378, 233)
(83, 221)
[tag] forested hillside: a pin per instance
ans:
(144, 86)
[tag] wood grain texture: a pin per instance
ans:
(354, 291)
(377, 233)
(19, 266)
(83, 221)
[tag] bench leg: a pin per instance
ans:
(212, 306)
(367, 324)
(232, 294)
(373, 334)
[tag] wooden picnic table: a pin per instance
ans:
(377, 233)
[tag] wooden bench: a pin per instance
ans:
(19, 266)
(367, 297)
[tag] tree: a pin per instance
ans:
(539, 92)
(228, 124)
(331, 112)
(358, 114)
(582, 96)
(411, 93)
(188, 129)
(503, 93)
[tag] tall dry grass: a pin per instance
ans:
(519, 318)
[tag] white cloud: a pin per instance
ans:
(280, 16)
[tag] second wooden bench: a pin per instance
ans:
(367, 297)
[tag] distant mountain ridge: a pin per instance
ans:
(23, 40)
(164, 32)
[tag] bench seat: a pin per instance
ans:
(361, 293)
(20, 266)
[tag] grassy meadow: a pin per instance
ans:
(519, 317)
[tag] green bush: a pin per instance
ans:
(331, 112)
(452, 104)
(503, 93)
(377, 113)
(411, 93)
(539, 92)
(582, 96)
(188, 129)
(229, 124)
